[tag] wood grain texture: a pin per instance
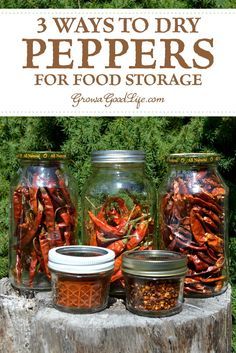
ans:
(33, 325)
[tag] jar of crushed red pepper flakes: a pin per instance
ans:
(81, 277)
(154, 281)
(43, 215)
(119, 206)
(193, 220)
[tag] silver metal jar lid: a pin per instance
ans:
(118, 156)
(79, 259)
(157, 263)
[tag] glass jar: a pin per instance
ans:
(193, 219)
(119, 206)
(81, 277)
(154, 281)
(42, 216)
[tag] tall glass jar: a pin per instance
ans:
(119, 206)
(193, 220)
(43, 215)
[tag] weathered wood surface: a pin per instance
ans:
(33, 325)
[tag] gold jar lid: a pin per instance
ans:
(193, 158)
(41, 155)
(157, 263)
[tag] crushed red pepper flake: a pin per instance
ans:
(153, 295)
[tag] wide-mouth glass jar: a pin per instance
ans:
(119, 206)
(81, 277)
(193, 219)
(154, 281)
(43, 215)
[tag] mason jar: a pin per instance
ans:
(81, 278)
(43, 215)
(119, 206)
(154, 282)
(193, 220)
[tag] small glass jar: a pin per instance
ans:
(81, 278)
(43, 215)
(119, 206)
(154, 281)
(193, 220)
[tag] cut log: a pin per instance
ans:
(32, 325)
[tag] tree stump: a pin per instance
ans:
(33, 325)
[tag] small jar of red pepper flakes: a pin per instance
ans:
(119, 206)
(154, 281)
(81, 278)
(193, 220)
(43, 213)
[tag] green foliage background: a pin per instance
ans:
(117, 4)
(78, 137)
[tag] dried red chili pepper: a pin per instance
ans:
(33, 265)
(192, 222)
(114, 211)
(63, 188)
(104, 227)
(118, 246)
(120, 228)
(48, 209)
(17, 203)
(18, 267)
(42, 222)
(33, 191)
(137, 236)
(118, 262)
(66, 218)
(116, 276)
(45, 247)
(30, 229)
(102, 239)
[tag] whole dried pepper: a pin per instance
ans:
(17, 203)
(118, 246)
(192, 221)
(137, 236)
(117, 198)
(44, 217)
(120, 228)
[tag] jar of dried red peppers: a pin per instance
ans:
(43, 215)
(81, 277)
(119, 206)
(154, 281)
(193, 220)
